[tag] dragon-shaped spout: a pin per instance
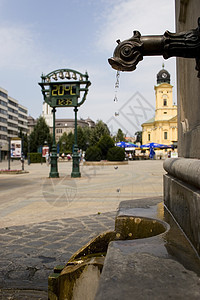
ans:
(128, 53)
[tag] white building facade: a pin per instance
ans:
(13, 120)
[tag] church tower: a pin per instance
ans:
(162, 128)
(165, 110)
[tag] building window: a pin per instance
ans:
(3, 95)
(149, 136)
(14, 111)
(3, 137)
(12, 103)
(3, 111)
(22, 116)
(3, 128)
(59, 130)
(3, 103)
(165, 135)
(12, 118)
(3, 120)
(23, 110)
(165, 113)
(164, 102)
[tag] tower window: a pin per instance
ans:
(164, 102)
(149, 136)
(165, 135)
(165, 113)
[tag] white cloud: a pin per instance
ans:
(16, 48)
(122, 17)
(22, 50)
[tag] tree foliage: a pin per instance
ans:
(66, 142)
(105, 143)
(120, 137)
(100, 129)
(138, 137)
(40, 135)
(116, 154)
(93, 153)
(86, 137)
(95, 141)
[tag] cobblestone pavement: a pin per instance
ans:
(29, 253)
(43, 221)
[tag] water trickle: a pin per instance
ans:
(115, 99)
(116, 86)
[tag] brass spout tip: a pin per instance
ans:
(114, 64)
(119, 65)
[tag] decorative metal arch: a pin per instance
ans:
(70, 76)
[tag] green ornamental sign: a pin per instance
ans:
(64, 87)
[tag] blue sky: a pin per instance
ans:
(45, 35)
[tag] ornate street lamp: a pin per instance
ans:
(65, 94)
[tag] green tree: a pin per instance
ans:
(116, 154)
(70, 141)
(81, 138)
(100, 129)
(66, 142)
(87, 135)
(63, 142)
(93, 153)
(40, 134)
(105, 143)
(138, 137)
(120, 137)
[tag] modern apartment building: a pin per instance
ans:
(13, 120)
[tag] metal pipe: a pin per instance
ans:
(128, 53)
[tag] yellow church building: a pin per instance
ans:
(162, 128)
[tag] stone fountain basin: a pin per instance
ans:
(81, 274)
(130, 227)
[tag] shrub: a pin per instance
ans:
(93, 153)
(36, 158)
(116, 154)
(105, 143)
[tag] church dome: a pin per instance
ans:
(163, 76)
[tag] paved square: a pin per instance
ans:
(44, 221)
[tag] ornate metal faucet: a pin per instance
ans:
(128, 53)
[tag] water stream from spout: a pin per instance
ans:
(116, 86)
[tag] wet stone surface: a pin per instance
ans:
(29, 253)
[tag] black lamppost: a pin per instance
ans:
(8, 153)
(0, 152)
(75, 166)
(22, 154)
(54, 164)
(29, 160)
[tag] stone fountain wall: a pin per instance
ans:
(181, 186)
